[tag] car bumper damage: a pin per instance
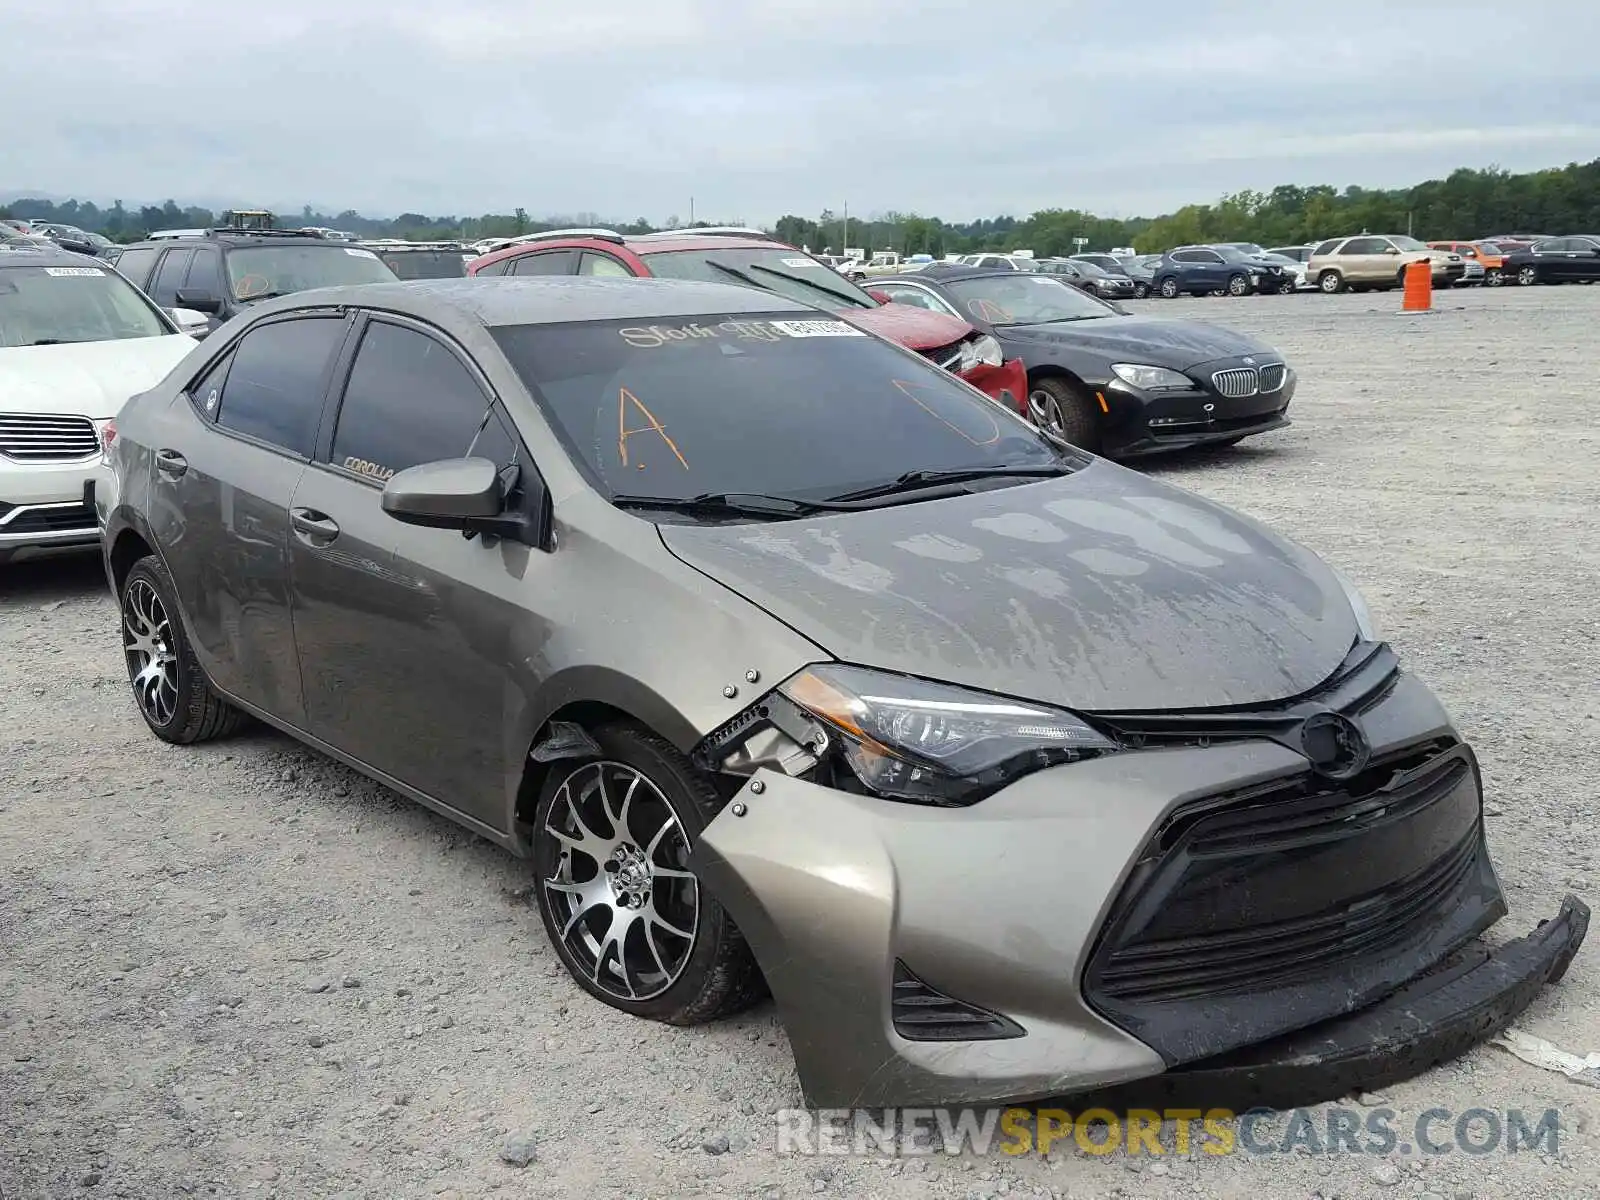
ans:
(1203, 907)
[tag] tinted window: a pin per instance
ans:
(1327, 247)
(206, 392)
(410, 400)
(205, 273)
(668, 408)
(136, 264)
(551, 262)
(164, 291)
(425, 264)
(1365, 246)
(274, 388)
(1185, 256)
(494, 268)
(601, 264)
(1023, 300)
(1550, 246)
(1207, 256)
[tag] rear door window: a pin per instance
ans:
(602, 264)
(551, 262)
(1327, 247)
(276, 383)
(136, 264)
(169, 278)
(205, 273)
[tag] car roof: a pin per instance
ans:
(548, 299)
(946, 273)
(244, 237)
(26, 255)
(655, 244)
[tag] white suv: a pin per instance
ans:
(76, 340)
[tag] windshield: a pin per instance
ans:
(800, 405)
(1407, 243)
(1092, 270)
(1234, 254)
(256, 272)
(48, 305)
(1247, 248)
(426, 264)
(1023, 300)
(781, 269)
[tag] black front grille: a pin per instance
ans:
(1272, 376)
(71, 519)
(948, 357)
(34, 437)
(925, 1014)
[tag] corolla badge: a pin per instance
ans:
(1334, 744)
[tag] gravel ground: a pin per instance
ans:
(240, 969)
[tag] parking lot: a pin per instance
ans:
(240, 969)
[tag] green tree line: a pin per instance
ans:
(1469, 203)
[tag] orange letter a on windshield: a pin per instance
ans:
(625, 398)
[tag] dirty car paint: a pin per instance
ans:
(1099, 590)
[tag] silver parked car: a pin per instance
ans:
(792, 662)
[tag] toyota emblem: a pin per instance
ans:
(1334, 745)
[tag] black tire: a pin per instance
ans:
(1169, 288)
(1528, 275)
(1238, 285)
(169, 688)
(1054, 404)
(1286, 288)
(1141, 290)
(717, 975)
(1330, 283)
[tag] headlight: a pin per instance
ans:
(1365, 625)
(981, 351)
(914, 740)
(1151, 379)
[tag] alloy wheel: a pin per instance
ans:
(152, 658)
(620, 887)
(1527, 276)
(1330, 282)
(1169, 288)
(1238, 285)
(1046, 413)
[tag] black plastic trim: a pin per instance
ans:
(925, 1014)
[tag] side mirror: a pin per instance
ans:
(468, 494)
(1391, 250)
(880, 296)
(191, 322)
(200, 302)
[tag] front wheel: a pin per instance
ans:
(1060, 409)
(1330, 283)
(1527, 276)
(629, 918)
(1169, 288)
(1286, 287)
(1238, 285)
(1140, 291)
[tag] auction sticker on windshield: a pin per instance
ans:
(360, 253)
(817, 329)
(58, 272)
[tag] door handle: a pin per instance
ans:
(312, 526)
(171, 464)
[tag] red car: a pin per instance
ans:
(751, 257)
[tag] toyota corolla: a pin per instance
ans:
(790, 662)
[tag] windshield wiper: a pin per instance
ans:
(742, 276)
(736, 504)
(810, 283)
(916, 480)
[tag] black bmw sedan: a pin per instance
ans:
(1106, 381)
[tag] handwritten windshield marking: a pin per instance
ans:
(988, 310)
(908, 389)
(625, 398)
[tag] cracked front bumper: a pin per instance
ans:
(1001, 914)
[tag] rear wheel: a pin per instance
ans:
(1330, 282)
(172, 692)
(630, 920)
(1169, 288)
(1059, 408)
(1493, 278)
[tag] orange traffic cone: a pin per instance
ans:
(1418, 287)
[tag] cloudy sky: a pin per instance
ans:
(955, 108)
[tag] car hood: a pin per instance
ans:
(916, 328)
(1102, 590)
(90, 379)
(1156, 341)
